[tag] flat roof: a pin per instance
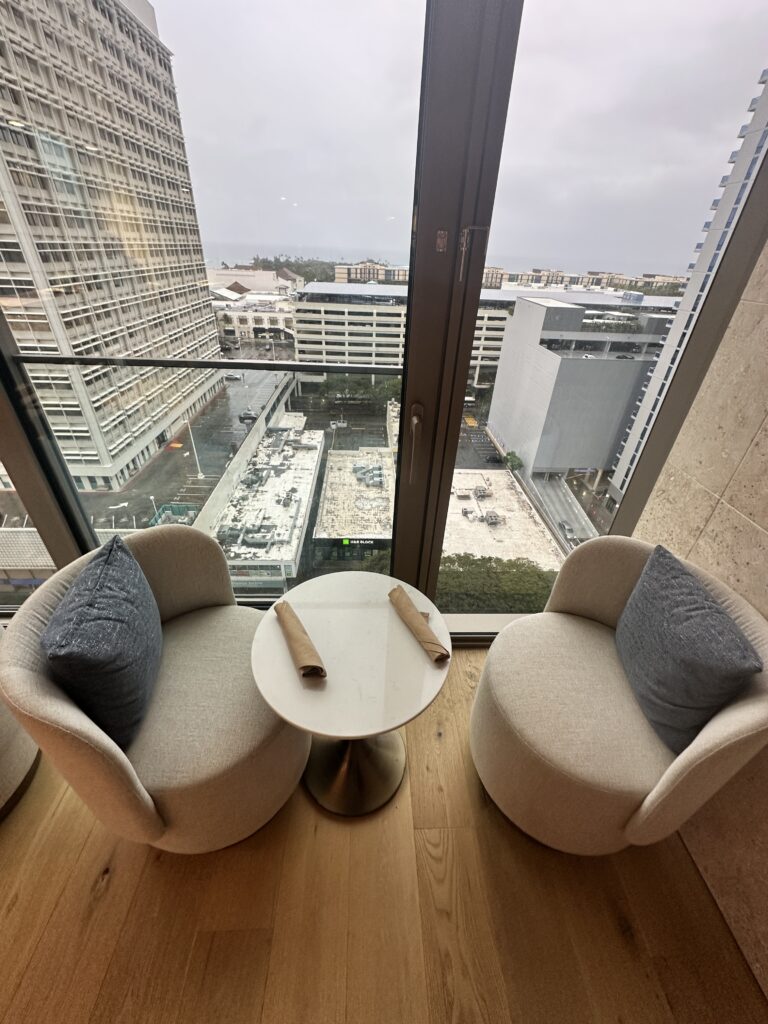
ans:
(21, 547)
(358, 496)
(518, 531)
(264, 519)
(575, 296)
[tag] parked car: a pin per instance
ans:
(496, 458)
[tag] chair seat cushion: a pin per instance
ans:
(206, 715)
(559, 683)
(557, 736)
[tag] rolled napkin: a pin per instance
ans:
(303, 651)
(415, 621)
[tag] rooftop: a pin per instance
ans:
(358, 496)
(505, 296)
(266, 514)
(488, 514)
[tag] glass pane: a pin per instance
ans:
(24, 559)
(101, 255)
(570, 364)
(293, 474)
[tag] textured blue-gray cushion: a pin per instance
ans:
(684, 656)
(103, 643)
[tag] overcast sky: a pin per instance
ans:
(300, 121)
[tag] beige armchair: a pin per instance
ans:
(560, 742)
(211, 762)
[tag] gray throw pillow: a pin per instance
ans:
(103, 643)
(684, 656)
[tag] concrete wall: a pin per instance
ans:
(588, 411)
(710, 504)
(559, 413)
(525, 380)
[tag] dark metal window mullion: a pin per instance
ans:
(468, 63)
(32, 458)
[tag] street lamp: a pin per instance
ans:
(200, 473)
(152, 499)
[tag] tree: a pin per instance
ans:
(310, 268)
(469, 584)
(513, 461)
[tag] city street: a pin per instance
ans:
(172, 475)
(561, 505)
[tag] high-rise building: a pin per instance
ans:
(717, 231)
(99, 244)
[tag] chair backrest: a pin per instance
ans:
(726, 743)
(92, 763)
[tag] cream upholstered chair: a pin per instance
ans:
(18, 759)
(211, 762)
(560, 742)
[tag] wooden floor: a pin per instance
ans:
(434, 910)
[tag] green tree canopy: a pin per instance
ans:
(469, 584)
(310, 268)
(513, 461)
(486, 584)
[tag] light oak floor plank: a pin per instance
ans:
(464, 978)
(307, 976)
(35, 885)
(325, 920)
(385, 959)
(225, 979)
(67, 969)
(147, 973)
(670, 905)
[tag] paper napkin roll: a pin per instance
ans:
(416, 622)
(304, 653)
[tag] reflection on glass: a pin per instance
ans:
(293, 474)
(24, 560)
(552, 430)
(101, 255)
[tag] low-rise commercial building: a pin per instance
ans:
(365, 323)
(263, 525)
(357, 504)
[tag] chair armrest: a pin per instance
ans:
(185, 568)
(726, 743)
(597, 578)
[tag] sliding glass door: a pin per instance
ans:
(269, 296)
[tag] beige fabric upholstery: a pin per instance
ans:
(185, 568)
(17, 753)
(557, 737)
(215, 758)
(597, 578)
(198, 805)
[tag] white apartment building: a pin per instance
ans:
(254, 316)
(278, 282)
(548, 278)
(99, 244)
(717, 230)
(368, 271)
(365, 323)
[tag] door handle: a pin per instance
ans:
(417, 419)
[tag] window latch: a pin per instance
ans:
(417, 418)
(464, 245)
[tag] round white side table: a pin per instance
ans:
(378, 678)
